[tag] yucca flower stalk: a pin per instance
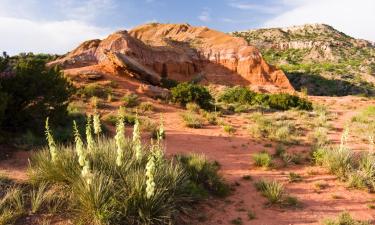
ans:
(150, 171)
(97, 124)
(80, 148)
(371, 147)
(120, 141)
(161, 131)
(89, 138)
(86, 172)
(157, 150)
(137, 139)
(51, 142)
(344, 138)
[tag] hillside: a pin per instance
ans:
(156, 52)
(318, 57)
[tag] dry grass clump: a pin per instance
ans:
(345, 219)
(275, 128)
(262, 159)
(192, 120)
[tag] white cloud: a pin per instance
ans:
(205, 16)
(85, 9)
(256, 7)
(356, 18)
(23, 35)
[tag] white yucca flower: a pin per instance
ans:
(86, 172)
(89, 138)
(120, 140)
(80, 148)
(150, 171)
(161, 132)
(97, 124)
(137, 139)
(371, 140)
(344, 137)
(51, 142)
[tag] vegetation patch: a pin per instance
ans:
(121, 180)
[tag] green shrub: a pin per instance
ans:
(168, 83)
(294, 177)
(345, 219)
(272, 190)
(237, 94)
(130, 100)
(229, 129)
(211, 117)
(184, 93)
(146, 107)
(193, 107)
(287, 101)
(192, 120)
(283, 101)
(205, 173)
(32, 93)
(93, 90)
(262, 159)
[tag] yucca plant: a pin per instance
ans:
(51, 142)
(111, 187)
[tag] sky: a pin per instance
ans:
(58, 26)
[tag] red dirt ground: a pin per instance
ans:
(234, 153)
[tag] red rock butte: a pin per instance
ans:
(180, 52)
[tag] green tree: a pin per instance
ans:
(33, 91)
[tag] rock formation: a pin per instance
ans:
(181, 52)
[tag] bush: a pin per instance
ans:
(144, 187)
(192, 120)
(237, 95)
(205, 173)
(168, 83)
(262, 159)
(283, 101)
(229, 129)
(130, 100)
(184, 93)
(193, 107)
(345, 219)
(272, 190)
(146, 107)
(287, 101)
(94, 90)
(31, 93)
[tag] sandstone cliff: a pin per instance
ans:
(180, 52)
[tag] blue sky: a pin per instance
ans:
(57, 26)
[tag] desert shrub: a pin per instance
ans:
(237, 95)
(204, 173)
(262, 159)
(272, 190)
(338, 161)
(283, 101)
(229, 129)
(345, 219)
(123, 181)
(146, 106)
(364, 175)
(32, 92)
(193, 107)
(211, 117)
(192, 120)
(287, 101)
(12, 206)
(94, 90)
(130, 100)
(282, 131)
(184, 93)
(168, 83)
(294, 177)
